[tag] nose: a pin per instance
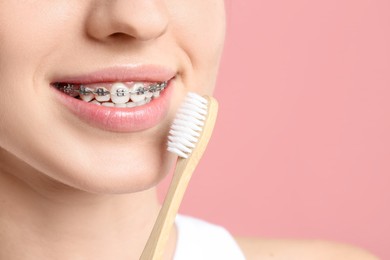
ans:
(139, 19)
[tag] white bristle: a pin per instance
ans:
(195, 96)
(178, 152)
(187, 126)
(185, 129)
(191, 113)
(185, 123)
(194, 107)
(193, 120)
(184, 135)
(182, 140)
(197, 102)
(180, 146)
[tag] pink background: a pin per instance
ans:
(302, 145)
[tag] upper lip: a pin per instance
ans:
(127, 73)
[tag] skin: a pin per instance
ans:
(58, 200)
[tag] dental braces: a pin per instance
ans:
(70, 89)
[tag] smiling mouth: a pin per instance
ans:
(114, 94)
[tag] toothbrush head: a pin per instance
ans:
(188, 126)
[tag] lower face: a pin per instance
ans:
(64, 66)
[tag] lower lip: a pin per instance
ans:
(120, 119)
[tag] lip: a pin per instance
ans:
(145, 73)
(120, 119)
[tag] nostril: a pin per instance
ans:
(141, 20)
(118, 35)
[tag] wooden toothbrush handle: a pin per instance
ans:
(155, 246)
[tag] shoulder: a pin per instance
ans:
(300, 249)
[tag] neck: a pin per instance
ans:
(58, 222)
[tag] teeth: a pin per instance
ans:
(69, 89)
(120, 105)
(140, 88)
(108, 104)
(102, 94)
(86, 97)
(95, 102)
(131, 104)
(143, 102)
(156, 94)
(149, 94)
(120, 93)
(74, 94)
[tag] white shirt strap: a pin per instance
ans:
(199, 240)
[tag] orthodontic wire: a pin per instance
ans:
(70, 89)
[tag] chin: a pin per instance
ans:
(115, 177)
(129, 168)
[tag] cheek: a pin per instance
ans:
(29, 30)
(200, 30)
(204, 32)
(29, 33)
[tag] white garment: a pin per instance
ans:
(199, 240)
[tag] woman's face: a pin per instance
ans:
(91, 45)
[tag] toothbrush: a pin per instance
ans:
(189, 135)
